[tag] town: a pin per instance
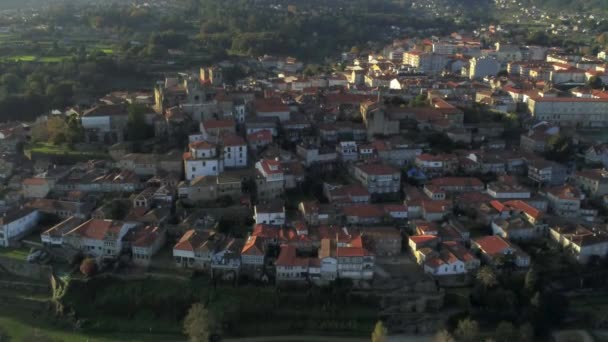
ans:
(459, 185)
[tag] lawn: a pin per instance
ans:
(62, 150)
(18, 329)
(21, 58)
(15, 253)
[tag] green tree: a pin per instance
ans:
(198, 324)
(531, 280)
(487, 277)
(467, 330)
(4, 337)
(57, 130)
(443, 336)
(11, 83)
(595, 82)
(505, 332)
(379, 333)
(136, 122)
(526, 332)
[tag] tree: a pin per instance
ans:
(198, 324)
(443, 336)
(136, 122)
(526, 332)
(56, 129)
(4, 337)
(505, 332)
(379, 333)
(88, 267)
(531, 280)
(595, 82)
(486, 277)
(467, 330)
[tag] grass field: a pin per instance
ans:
(15, 253)
(62, 150)
(19, 329)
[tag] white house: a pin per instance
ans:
(347, 150)
(17, 223)
(202, 160)
(99, 237)
(272, 214)
(146, 243)
(235, 150)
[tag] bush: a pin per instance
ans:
(88, 267)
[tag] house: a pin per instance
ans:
(62, 209)
(363, 214)
(378, 178)
(597, 154)
(192, 250)
(355, 263)
(382, 241)
(494, 247)
(271, 108)
(583, 242)
(270, 179)
(592, 181)
(345, 194)
(53, 237)
(471, 263)
(212, 130)
(226, 257)
(397, 212)
(235, 150)
(105, 123)
(203, 159)
(291, 267)
(515, 228)
(347, 151)
(99, 237)
(434, 210)
(417, 242)
(146, 242)
(16, 223)
(314, 213)
(537, 137)
(259, 139)
(518, 208)
(565, 200)
(36, 187)
(436, 164)
(443, 263)
(271, 214)
(210, 188)
(252, 255)
(457, 184)
(507, 188)
(546, 172)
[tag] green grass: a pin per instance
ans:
(21, 58)
(62, 150)
(15, 253)
(55, 59)
(19, 328)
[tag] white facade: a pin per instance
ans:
(17, 227)
(272, 218)
(235, 156)
(101, 123)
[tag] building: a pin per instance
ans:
(597, 154)
(146, 242)
(494, 247)
(565, 200)
(99, 237)
(436, 164)
(584, 243)
(253, 255)
(547, 172)
(593, 181)
(378, 178)
(570, 111)
(192, 250)
(17, 223)
(271, 214)
(235, 150)
(105, 123)
(270, 179)
(515, 228)
(203, 159)
(480, 67)
(53, 237)
(210, 188)
(382, 241)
